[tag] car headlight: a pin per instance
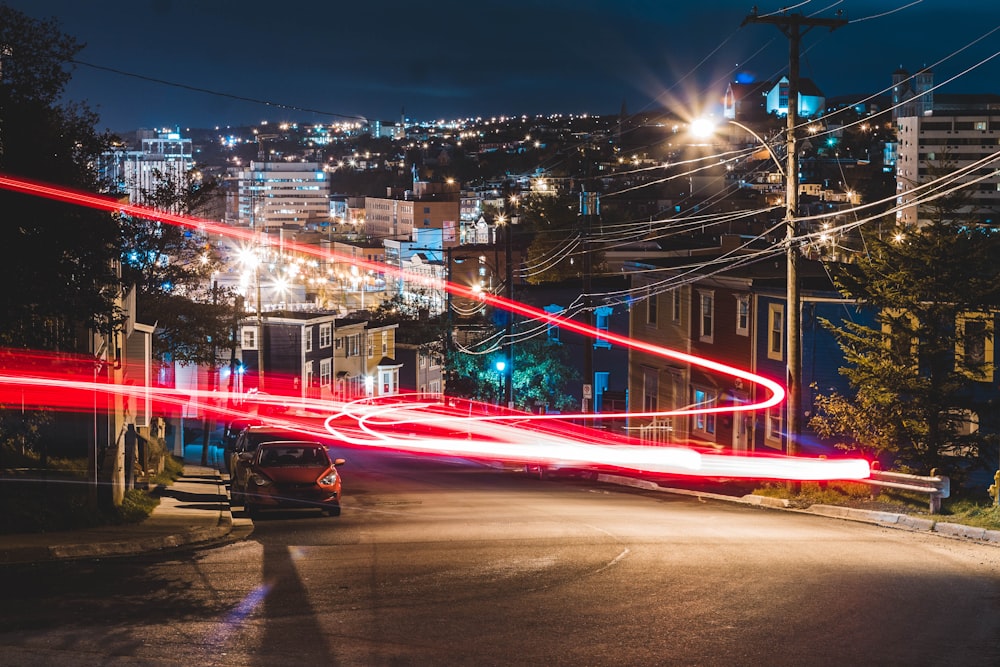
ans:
(261, 480)
(329, 479)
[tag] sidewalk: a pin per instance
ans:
(192, 510)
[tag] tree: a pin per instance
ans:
(554, 223)
(172, 268)
(57, 261)
(542, 370)
(921, 379)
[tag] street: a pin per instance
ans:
(437, 562)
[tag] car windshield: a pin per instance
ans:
(293, 456)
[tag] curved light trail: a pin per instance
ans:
(451, 426)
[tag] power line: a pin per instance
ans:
(209, 91)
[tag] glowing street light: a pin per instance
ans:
(793, 303)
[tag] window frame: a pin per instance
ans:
(776, 331)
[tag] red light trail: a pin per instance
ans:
(435, 427)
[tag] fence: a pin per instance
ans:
(938, 486)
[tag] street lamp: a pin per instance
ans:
(793, 353)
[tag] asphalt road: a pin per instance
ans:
(440, 563)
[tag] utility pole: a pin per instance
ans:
(794, 26)
(590, 205)
(511, 203)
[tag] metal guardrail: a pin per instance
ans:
(938, 486)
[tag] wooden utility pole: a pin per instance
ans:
(794, 26)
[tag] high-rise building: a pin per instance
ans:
(953, 136)
(281, 195)
(163, 157)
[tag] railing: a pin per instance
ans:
(938, 486)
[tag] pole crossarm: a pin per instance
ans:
(793, 23)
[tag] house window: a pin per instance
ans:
(354, 345)
(309, 374)
(974, 346)
(422, 360)
(675, 299)
(899, 328)
(249, 338)
(371, 345)
(603, 318)
(743, 315)
(435, 386)
(705, 423)
(307, 334)
(339, 344)
(650, 388)
(772, 425)
(325, 372)
(651, 308)
(325, 333)
(707, 312)
(552, 330)
(776, 331)
(385, 343)
(600, 386)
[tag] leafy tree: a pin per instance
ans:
(57, 261)
(553, 222)
(172, 268)
(542, 370)
(921, 372)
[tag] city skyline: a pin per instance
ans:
(172, 63)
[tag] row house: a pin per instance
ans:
(737, 318)
(317, 355)
(421, 370)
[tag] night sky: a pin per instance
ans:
(449, 59)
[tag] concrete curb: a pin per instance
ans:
(887, 519)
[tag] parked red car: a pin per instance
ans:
(293, 473)
(244, 451)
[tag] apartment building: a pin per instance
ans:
(963, 144)
(162, 157)
(280, 195)
(944, 134)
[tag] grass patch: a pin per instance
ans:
(966, 511)
(970, 513)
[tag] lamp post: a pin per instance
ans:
(793, 305)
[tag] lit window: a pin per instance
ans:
(249, 338)
(704, 422)
(603, 316)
